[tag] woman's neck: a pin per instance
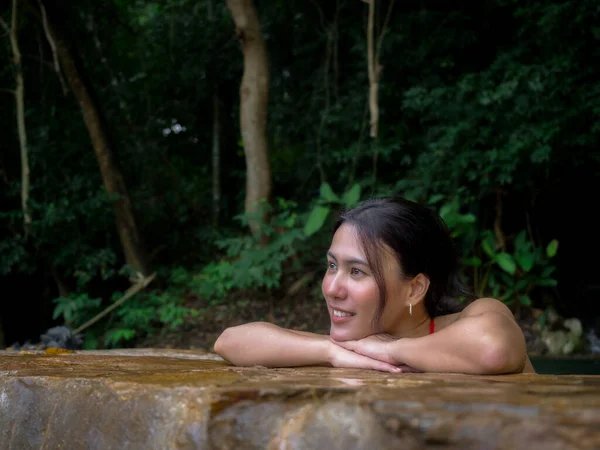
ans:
(417, 326)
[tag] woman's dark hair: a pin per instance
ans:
(421, 243)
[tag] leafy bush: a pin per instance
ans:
(248, 263)
(509, 274)
(137, 317)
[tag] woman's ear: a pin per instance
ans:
(418, 288)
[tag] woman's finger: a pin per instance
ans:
(408, 369)
(369, 363)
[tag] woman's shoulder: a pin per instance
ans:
(442, 322)
(484, 305)
(474, 308)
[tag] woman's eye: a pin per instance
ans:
(355, 271)
(330, 265)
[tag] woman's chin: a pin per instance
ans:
(345, 335)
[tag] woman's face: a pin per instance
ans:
(351, 292)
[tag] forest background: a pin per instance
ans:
(195, 154)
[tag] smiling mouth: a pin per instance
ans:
(338, 313)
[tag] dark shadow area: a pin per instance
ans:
(566, 365)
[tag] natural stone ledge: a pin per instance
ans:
(177, 399)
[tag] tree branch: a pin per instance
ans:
(141, 283)
(373, 73)
(53, 47)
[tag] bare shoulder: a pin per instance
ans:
(484, 305)
(499, 318)
(442, 322)
(475, 308)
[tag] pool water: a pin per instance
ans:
(566, 366)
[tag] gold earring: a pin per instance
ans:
(410, 309)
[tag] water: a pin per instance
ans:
(566, 365)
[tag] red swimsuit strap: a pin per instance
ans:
(431, 326)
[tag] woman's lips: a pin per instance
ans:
(345, 316)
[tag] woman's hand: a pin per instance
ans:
(376, 347)
(341, 357)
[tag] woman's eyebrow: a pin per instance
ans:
(349, 261)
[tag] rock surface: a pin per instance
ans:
(176, 399)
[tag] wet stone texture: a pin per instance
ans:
(174, 399)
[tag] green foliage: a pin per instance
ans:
(75, 308)
(458, 223)
(326, 201)
(144, 314)
(114, 337)
(473, 106)
(248, 263)
(149, 312)
(499, 123)
(506, 274)
(316, 219)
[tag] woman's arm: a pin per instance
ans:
(486, 344)
(266, 344)
(484, 340)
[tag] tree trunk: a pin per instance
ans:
(99, 135)
(373, 57)
(373, 71)
(20, 105)
(254, 96)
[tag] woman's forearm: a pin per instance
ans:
(489, 343)
(265, 344)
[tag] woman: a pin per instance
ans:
(392, 277)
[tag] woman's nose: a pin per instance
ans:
(334, 286)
